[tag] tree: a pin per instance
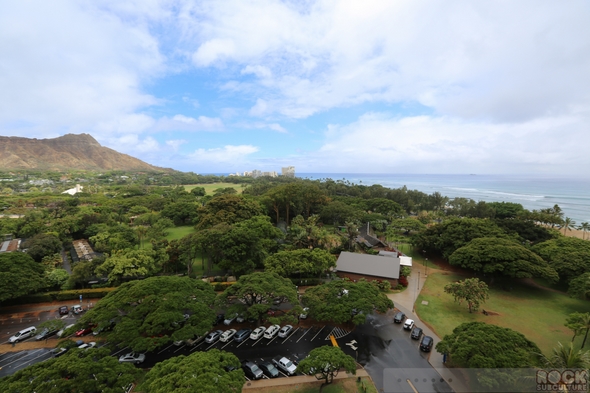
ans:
(42, 245)
(19, 275)
(306, 233)
(198, 191)
(455, 233)
(568, 223)
(152, 312)
(481, 345)
(228, 209)
(565, 358)
(247, 244)
(325, 362)
(57, 278)
(584, 227)
(304, 261)
(496, 256)
(472, 290)
(78, 370)
(579, 322)
(343, 300)
(199, 372)
(129, 264)
(338, 213)
(181, 213)
(569, 256)
(352, 231)
(255, 294)
(580, 287)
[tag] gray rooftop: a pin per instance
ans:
(370, 265)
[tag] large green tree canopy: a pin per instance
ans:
(343, 300)
(325, 362)
(19, 275)
(253, 294)
(227, 209)
(496, 256)
(452, 234)
(569, 256)
(303, 261)
(151, 312)
(200, 372)
(481, 345)
(42, 245)
(78, 370)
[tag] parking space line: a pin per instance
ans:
(240, 344)
(317, 333)
(211, 346)
(285, 375)
(274, 338)
(121, 350)
(19, 359)
(226, 344)
(289, 336)
(304, 333)
(182, 346)
(257, 341)
(165, 348)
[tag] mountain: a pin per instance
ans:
(71, 151)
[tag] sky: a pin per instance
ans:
(327, 86)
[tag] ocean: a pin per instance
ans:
(532, 192)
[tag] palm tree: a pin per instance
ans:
(585, 227)
(566, 357)
(568, 223)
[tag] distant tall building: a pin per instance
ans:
(288, 171)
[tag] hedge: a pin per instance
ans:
(46, 297)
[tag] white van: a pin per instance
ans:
(23, 334)
(61, 332)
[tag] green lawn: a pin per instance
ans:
(210, 188)
(537, 313)
(179, 232)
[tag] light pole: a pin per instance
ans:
(426, 268)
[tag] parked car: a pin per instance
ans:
(409, 324)
(87, 345)
(257, 333)
(251, 370)
(63, 310)
(271, 331)
(303, 315)
(285, 330)
(284, 364)
(242, 334)
(426, 344)
(240, 318)
(213, 336)
(61, 332)
(416, 333)
(219, 318)
(227, 335)
(57, 352)
(45, 333)
(399, 317)
(269, 369)
(132, 357)
(84, 331)
(229, 320)
(77, 309)
(23, 334)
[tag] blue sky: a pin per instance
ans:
(326, 86)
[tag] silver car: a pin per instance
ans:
(132, 357)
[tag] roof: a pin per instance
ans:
(404, 260)
(370, 265)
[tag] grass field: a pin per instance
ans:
(179, 232)
(210, 188)
(537, 313)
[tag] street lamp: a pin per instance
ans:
(426, 268)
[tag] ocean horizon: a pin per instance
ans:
(531, 191)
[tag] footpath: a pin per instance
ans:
(404, 301)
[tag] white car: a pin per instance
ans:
(257, 333)
(229, 320)
(303, 315)
(409, 324)
(132, 357)
(285, 330)
(89, 345)
(271, 331)
(227, 335)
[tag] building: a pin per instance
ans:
(288, 171)
(73, 191)
(9, 244)
(404, 260)
(371, 267)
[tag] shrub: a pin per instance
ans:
(403, 281)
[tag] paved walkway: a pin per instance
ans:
(298, 379)
(404, 301)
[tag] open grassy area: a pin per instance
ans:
(537, 313)
(179, 232)
(210, 188)
(348, 385)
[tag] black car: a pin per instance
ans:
(426, 344)
(416, 333)
(269, 369)
(399, 317)
(242, 334)
(219, 319)
(63, 310)
(252, 370)
(45, 333)
(57, 352)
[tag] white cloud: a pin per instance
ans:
(228, 155)
(481, 60)
(277, 127)
(175, 143)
